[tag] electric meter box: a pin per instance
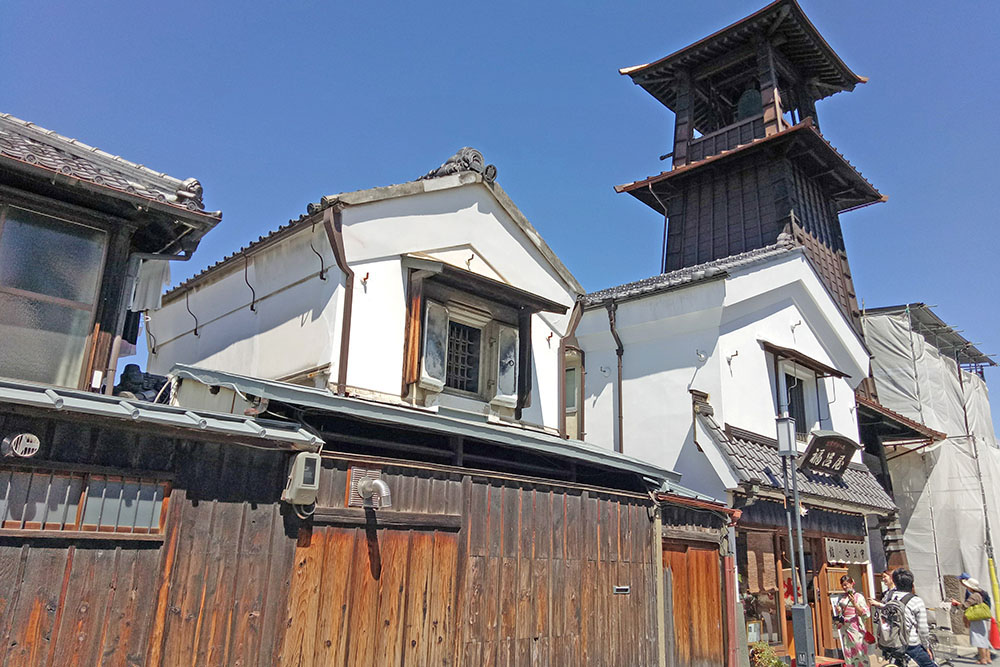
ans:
(303, 479)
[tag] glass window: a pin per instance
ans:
(797, 403)
(50, 257)
(49, 280)
(571, 390)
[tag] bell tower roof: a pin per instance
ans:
(802, 57)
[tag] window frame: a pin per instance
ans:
(810, 387)
(483, 321)
(74, 527)
(91, 308)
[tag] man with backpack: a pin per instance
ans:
(902, 626)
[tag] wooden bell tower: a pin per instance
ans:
(749, 162)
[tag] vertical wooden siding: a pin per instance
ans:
(695, 592)
(527, 578)
(207, 595)
(721, 214)
(542, 568)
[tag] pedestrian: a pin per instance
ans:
(887, 588)
(852, 612)
(977, 616)
(914, 616)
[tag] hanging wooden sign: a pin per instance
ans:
(845, 551)
(828, 453)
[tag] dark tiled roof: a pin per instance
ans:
(755, 459)
(44, 149)
(782, 20)
(273, 235)
(691, 274)
(832, 161)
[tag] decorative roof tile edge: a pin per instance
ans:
(381, 193)
(806, 124)
(713, 270)
(188, 192)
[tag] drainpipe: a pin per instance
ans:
(574, 320)
(620, 350)
(334, 224)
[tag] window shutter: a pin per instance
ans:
(507, 366)
(434, 360)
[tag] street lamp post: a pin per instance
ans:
(802, 631)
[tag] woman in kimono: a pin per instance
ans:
(852, 611)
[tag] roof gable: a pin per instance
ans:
(357, 198)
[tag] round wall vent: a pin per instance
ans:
(23, 445)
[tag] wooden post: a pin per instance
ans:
(807, 104)
(683, 118)
(769, 96)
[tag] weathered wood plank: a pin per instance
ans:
(12, 559)
(334, 612)
(508, 605)
(303, 598)
(34, 617)
(219, 592)
(441, 606)
(392, 589)
(251, 580)
(364, 598)
(416, 633)
(478, 519)
(87, 597)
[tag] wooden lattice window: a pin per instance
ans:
(464, 345)
(55, 500)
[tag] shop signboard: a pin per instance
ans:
(852, 552)
(828, 453)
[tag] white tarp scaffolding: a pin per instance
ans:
(937, 487)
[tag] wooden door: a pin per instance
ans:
(372, 597)
(827, 593)
(695, 621)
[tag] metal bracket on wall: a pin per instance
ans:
(146, 318)
(187, 304)
(322, 264)
(246, 279)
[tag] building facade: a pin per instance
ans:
(754, 316)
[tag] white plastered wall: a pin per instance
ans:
(463, 226)
(679, 340)
(937, 488)
(295, 325)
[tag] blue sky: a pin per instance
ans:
(273, 105)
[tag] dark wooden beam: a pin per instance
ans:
(387, 518)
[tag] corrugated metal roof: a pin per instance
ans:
(45, 149)
(513, 435)
(945, 338)
(259, 432)
(715, 269)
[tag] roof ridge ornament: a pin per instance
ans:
(466, 159)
